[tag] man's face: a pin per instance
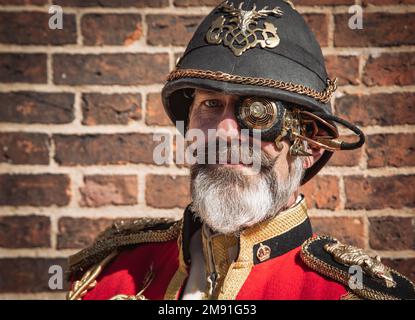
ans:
(224, 195)
(215, 110)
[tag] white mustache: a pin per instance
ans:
(232, 152)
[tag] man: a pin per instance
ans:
(250, 65)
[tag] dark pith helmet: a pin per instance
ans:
(261, 48)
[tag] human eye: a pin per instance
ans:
(211, 103)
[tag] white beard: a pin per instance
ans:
(230, 202)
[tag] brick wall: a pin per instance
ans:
(78, 108)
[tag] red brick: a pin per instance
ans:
(23, 2)
(390, 69)
(349, 230)
(104, 149)
(34, 189)
(322, 192)
(110, 108)
(19, 67)
(171, 29)
(322, 2)
(344, 68)
(395, 150)
(110, 69)
(155, 114)
(112, 3)
(192, 3)
(349, 158)
(319, 25)
(392, 233)
(32, 28)
(404, 266)
(365, 110)
(36, 107)
(164, 191)
(78, 233)
(111, 29)
(379, 29)
(24, 148)
(102, 190)
(346, 158)
(379, 192)
(24, 231)
(26, 275)
(387, 2)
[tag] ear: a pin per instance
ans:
(316, 153)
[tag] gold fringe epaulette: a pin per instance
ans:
(364, 276)
(122, 235)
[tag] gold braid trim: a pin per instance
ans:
(337, 274)
(350, 296)
(323, 96)
(106, 249)
(179, 276)
(240, 269)
(88, 280)
(105, 245)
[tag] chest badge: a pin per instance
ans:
(238, 29)
(263, 253)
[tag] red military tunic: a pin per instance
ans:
(154, 262)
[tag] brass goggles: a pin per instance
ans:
(277, 120)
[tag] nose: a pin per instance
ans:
(228, 125)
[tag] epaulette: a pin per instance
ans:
(123, 235)
(364, 276)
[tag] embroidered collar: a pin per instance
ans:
(257, 244)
